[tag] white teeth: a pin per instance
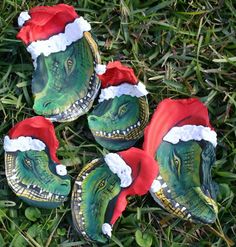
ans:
(128, 129)
(156, 186)
(89, 95)
(183, 209)
(49, 194)
(79, 191)
(34, 186)
(13, 177)
(189, 215)
(135, 126)
(117, 131)
(168, 191)
(159, 177)
(78, 182)
(83, 177)
(131, 127)
(100, 132)
(80, 212)
(97, 132)
(124, 132)
(138, 123)
(164, 185)
(177, 204)
(109, 134)
(56, 196)
(28, 186)
(81, 100)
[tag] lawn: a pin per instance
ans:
(179, 49)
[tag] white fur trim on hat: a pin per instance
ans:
(118, 166)
(73, 32)
(111, 92)
(191, 132)
(100, 69)
(22, 143)
(23, 17)
(107, 229)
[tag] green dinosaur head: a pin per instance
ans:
(186, 189)
(118, 123)
(93, 199)
(64, 83)
(32, 176)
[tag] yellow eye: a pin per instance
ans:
(122, 109)
(101, 184)
(28, 162)
(177, 163)
(69, 65)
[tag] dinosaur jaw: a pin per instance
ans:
(80, 106)
(30, 192)
(116, 138)
(163, 195)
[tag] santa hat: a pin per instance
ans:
(50, 29)
(136, 170)
(34, 133)
(178, 120)
(117, 79)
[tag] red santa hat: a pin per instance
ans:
(136, 170)
(50, 29)
(117, 79)
(34, 133)
(178, 120)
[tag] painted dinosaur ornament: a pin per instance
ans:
(100, 190)
(32, 169)
(183, 142)
(119, 119)
(65, 56)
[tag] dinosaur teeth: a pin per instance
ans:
(115, 132)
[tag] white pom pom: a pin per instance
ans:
(100, 69)
(107, 229)
(23, 17)
(61, 170)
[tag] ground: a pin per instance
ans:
(178, 49)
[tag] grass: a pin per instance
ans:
(178, 49)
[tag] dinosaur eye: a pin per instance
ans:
(177, 163)
(28, 163)
(69, 65)
(101, 184)
(122, 110)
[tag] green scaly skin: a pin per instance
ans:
(64, 83)
(93, 199)
(32, 176)
(118, 123)
(185, 167)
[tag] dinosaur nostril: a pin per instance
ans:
(45, 104)
(92, 118)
